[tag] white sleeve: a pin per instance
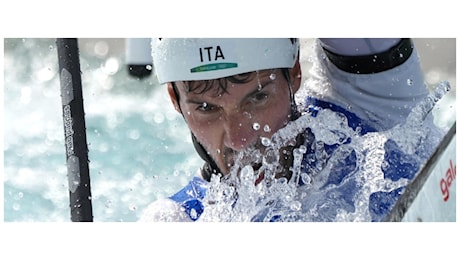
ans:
(164, 210)
(384, 98)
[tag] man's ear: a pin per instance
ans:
(173, 97)
(296, 76)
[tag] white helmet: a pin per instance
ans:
(206, 58)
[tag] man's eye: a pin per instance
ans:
(205, 107)
(258, 97)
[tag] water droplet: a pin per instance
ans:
(267, 128)
(258, 81)
(248, 115)
(410, 82)
(441, 89)
(305, 178)
(265, 141)
(158, 117)
(247, 174)
(296, 205)
(270, 156)
(111, 66)
(273, 76)
(108, 204)
(302, 149)
(134, 134)
(256, 126)
(16, 206)
(193, 213)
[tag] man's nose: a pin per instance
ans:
(238, 131)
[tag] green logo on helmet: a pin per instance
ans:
(214, 66)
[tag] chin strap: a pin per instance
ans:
(210, 167)
(294, 112)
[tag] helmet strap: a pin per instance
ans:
(210, 167)
(294, 112)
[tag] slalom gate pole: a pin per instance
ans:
(412, 190)
(74, 130)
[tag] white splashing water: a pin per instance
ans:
(236, 197)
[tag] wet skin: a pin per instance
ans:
(225, 123)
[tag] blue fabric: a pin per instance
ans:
(190, 197)
(399, 166)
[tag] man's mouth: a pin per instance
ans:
(229, 158)
(260, 175)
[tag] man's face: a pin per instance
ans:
(236, 119)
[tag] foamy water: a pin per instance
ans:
(237, 198)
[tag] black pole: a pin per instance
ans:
(412, 189)
(74, 131)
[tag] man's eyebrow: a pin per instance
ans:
(193, 101)
(260, 87)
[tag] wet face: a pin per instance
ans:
(227, 122)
